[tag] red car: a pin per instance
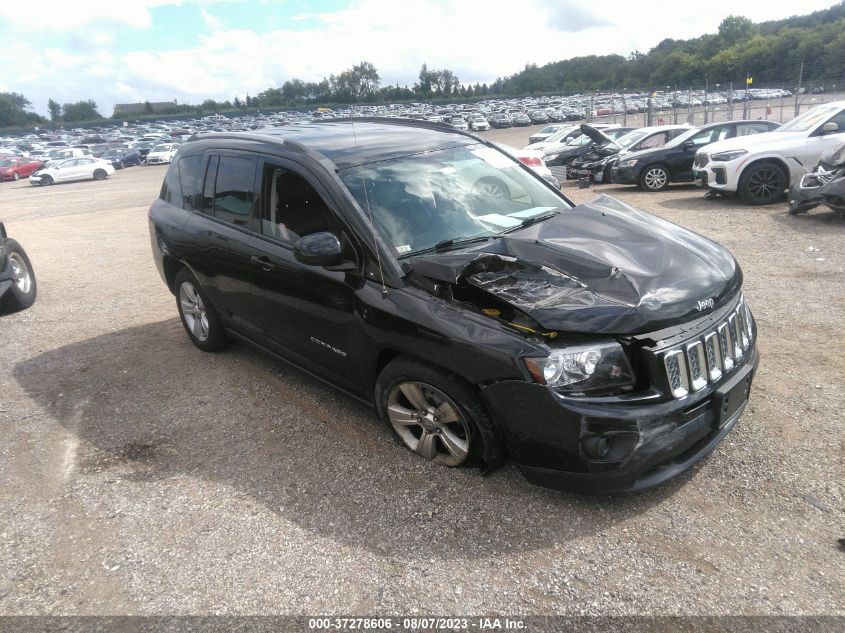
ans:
(13, 168)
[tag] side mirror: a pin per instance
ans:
(830, 127)
(318, 249)
(688, 144)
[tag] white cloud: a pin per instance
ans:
(478, 40)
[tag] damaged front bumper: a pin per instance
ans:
(614, 445)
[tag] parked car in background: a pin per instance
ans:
(84, 168)
(653, 169)
(597, 165)
(57, 155)
(533, 159)
(520, 119)
(370, 257)
(580, 145)
(162, 153)
(500, 120)
(17, 168)
(543, 134)
(120, 158)
(17, 279)
(459, 123)
(477, 123)
(760, 167)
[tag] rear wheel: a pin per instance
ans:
(199, 317)
(437, 415)
(762, 183)
(16, 176)
(654, 178)
(21, 294)
(100, 174)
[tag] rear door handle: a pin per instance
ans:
(263, 263)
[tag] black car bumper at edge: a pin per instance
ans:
(549, 435)
(624, 175)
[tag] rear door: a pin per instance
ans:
(221, 232)
(307, 313)
(682, 156)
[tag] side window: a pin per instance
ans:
(745, 129)
(292, 207)
(655, 140)
(208, 188)
(233, 189)
(189, 173)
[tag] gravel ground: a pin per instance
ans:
(141, 476)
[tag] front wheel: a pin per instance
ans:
(21, 294)
(16, 176)
(46, 181)
(437, 415)
(654, 178)
(199, 317)
(762, 183)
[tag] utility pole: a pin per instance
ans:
(745, 103)
(731, 101)
(706, 86)
(798, 89)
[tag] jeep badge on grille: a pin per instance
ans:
(706, 304)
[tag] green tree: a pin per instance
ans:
(80, 111)
(55, 109)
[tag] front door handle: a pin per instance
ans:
(263, 263)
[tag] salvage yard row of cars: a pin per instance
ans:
(755, 165)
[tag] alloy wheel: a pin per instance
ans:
(655, 178)
(20, 273)
(429, 423)
(193, 311)
(764, 183)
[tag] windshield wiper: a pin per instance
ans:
(534, 219)
(452, 242)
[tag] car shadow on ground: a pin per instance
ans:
(145, 405)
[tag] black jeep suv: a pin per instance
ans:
(422, 270)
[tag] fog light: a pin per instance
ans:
(597, 446)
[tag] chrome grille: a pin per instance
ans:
(701, 160)
(710, 355)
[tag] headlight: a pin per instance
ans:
(725, 157)
(587, 367)
(628, 163)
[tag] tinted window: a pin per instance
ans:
(744, 129)
(189, 173)
(208, 189)
(233, 189)
(710, 136)
(293, 207)
(839, 119)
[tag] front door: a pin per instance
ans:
(308, 313)
(818, 142)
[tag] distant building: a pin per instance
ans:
(141, 107)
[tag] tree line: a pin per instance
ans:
(771, 52)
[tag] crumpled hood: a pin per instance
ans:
(603, 267)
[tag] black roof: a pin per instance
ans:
(348, 143)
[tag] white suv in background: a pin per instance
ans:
(760, 167)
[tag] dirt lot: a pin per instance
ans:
(141, 476)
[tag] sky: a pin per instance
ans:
(128, 51)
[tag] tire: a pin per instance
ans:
(762, 183)
(100, 174)
(120, 165)
(21, 294)
(47, 181)
(654, 178)
(16, 176)
(198, 316)
(491, 187)
(406, 387)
